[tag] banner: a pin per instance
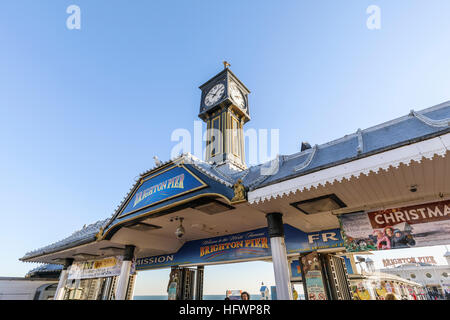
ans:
(242, 246)
(107, 267)
(405, 227)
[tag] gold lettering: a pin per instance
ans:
(181, 181)
(264, 243)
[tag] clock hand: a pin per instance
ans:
(215, 94)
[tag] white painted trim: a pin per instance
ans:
(433, 123)
(381, 161)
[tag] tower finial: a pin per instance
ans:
(226, 64)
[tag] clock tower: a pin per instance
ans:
(224, 108)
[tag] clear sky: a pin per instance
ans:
(82, 112)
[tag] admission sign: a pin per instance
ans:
(249, 245)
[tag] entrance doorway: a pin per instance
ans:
(217, 279)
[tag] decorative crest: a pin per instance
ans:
(239, 191)
(99, 234)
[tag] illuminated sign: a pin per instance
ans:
(162, 186)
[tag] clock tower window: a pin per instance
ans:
(235, 137)
(215, 136)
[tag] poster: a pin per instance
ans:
(405, 227)
(296, 273)
(315, 288)
(172, 287)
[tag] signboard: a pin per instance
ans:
(393, 262)
(413, 226)
(239, 246)
(242, 246)
(314, 284)
(107, 267)
(298, 241)
(162, 186)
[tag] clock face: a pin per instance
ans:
(237, 96)
(214, 94)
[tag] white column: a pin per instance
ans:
(281, 268)
(59, 294)
(122, 283)
(60, 290)
(194, 284)
(279, 256)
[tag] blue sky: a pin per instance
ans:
(82, 112)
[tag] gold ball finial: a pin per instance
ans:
(226, 64)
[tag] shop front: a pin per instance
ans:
(188, 263)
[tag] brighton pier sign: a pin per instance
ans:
(173, 182)
(250, 245)
(393, 262)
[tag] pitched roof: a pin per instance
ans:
(414, 127)
(82, 236)
(46, 268)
